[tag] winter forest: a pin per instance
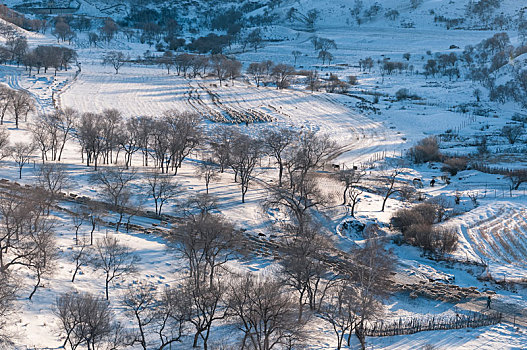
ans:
(263, 174)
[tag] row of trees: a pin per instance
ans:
(45, 56)
(17, 50)
(224, 68)
(107, 138)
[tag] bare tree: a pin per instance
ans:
(26, 235)
(172, 313)
(109, 29)
(6, 96)
(95, 212)
(199, 63)
(114, 259)
(44, 252)
(296, 54)
(372, 267)
(162, 189)
(21, 104)
(52, 177)
(41, 139)
(7, 305)
(278, 143)
(87, 319)
(129, 138)
(304, 270)
(311, 17)
(254, 39)
(112, 120)
(234, 69)
(219, 66)
(207, 242)
(160, 144)
(220, 142)
(325, 56)
(18, 47)
(81, 255)
(61, 126)
(313, 81)
(167, 60)
(185, 135)
(144, 135)
(199, 205)
(93, 38)
(338, 311)
(389, 183)
(264, 312)
(282, 74)
(257, 71)
(21, 153)
(4, 143)
(140, 303)
(208, 171)
(62, 30)
(205, 308)
(351, 179)
(245, 154)
(90, 134)
(15, 216)
(516, 178)
(297, 199)
(116, 188)
(116, 59)
(512, 133)
(311, 151)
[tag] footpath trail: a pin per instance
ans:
(512, 313)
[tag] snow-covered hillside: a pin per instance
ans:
(372, 123)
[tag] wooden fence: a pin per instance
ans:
(416, 324)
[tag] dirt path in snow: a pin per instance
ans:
(12, 79)
(512, 313)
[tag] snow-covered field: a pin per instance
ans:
(493, 233)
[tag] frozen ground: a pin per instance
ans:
(495, 232)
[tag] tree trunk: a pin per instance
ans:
(384, 201)
(36, 286)
(75, 273)
(107, 282)
(195, 342)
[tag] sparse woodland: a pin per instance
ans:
(250, 182)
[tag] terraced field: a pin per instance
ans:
(497, 235)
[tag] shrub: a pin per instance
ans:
(352, 80)
(427, 211)
(404, 218)
(420, 235)
(482, 146)
(424, 213)
(455, 164)
(416, 225)
(402, 94)
(426, 150)
(407, 193)
(441, 205)
(445, 239)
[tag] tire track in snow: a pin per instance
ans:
(12, 79)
